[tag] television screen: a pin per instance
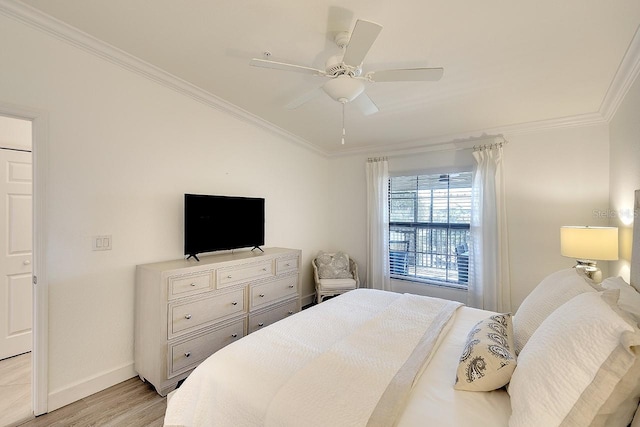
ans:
(214, 223)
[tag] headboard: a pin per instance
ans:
(635, 250)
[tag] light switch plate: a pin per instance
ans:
(101, 243)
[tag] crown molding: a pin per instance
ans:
(442, 141)
(75, 37)
(623, 80)
(442, 144)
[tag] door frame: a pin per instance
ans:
(40, 352)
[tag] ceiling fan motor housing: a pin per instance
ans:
(334, 66)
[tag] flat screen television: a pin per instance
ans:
(215, 223)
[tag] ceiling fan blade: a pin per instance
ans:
(365, 104)
(303, 99)
(255, 62)
(362, 38)
(407, 75)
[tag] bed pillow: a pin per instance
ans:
(488, 359)
(629, 297)
(573, 362)
(619, 408)
(333, 266)
(553, 291)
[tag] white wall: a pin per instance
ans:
(122, 152)
(553, 178)
(15, 133)
(624, 135)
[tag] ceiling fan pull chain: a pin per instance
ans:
(343, 131)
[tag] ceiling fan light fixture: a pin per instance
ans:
(344, 88)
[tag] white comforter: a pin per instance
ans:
(315, 369)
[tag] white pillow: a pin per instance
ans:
(488, 358)
(629, 297)
(553, 291)
(573, 362)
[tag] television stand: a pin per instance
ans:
(194, 256)
(257, 247)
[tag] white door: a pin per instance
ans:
(15, 258)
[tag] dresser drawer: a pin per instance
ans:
(181, 286)
(187, 354)
(187, 316)
(268, 292)
(242, 273)
(284, 265)
(259, 321)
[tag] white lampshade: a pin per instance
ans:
(591, 243)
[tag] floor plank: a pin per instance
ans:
(15, 389)
(131, 403)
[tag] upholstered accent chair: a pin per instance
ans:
(334, 274)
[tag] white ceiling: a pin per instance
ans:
(506, 62)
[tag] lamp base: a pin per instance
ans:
(588, 268)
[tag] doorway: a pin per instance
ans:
(16, 291)
(39, 120)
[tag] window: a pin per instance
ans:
(429, 217)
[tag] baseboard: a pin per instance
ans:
(81, 389)
(307, 300)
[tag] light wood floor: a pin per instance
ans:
(131, 403)
(15, 389)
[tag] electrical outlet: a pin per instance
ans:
(101, 243)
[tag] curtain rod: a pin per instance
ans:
(491, 146)
(377, 159)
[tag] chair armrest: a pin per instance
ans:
(316, 277)
(353, 267)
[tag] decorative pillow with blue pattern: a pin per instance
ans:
(488, 359)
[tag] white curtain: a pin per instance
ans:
(378, 224)
(489, 284)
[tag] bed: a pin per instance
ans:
(570, 356)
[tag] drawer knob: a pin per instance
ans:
(264, 269)
(229, 277)
(234, 335)
(187, 316)
(187, 354)
(290, 311)
(261, 295)
(290, 286)
(261, 324)
(287, 265)
(193, 284)
(234, 303)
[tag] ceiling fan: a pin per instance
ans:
(346, 78)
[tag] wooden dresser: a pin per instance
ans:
(187, 310)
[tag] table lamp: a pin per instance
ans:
(589, 244)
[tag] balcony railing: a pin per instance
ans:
(432, 252)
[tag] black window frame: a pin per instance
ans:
(421, 248)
